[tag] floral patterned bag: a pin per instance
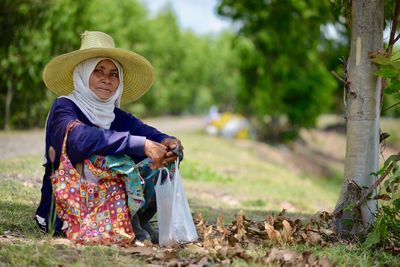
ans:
(93, 212)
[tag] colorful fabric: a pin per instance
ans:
(127, 135)
(96, 207)
(139, 178)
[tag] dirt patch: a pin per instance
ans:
(20, 143)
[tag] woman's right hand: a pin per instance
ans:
(156, 152)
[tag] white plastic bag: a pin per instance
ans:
(175, 222)
(164, 198)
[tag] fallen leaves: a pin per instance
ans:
(289, 258)
(222, 244)
(263, 242)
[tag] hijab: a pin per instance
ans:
(99, 112)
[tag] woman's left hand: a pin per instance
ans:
(171, 144)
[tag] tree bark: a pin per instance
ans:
(363, 109)
(7, 111)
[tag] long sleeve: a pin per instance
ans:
(127, 135)
(86, 139)
(136, 127)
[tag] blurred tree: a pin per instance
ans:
(281, 65)
(16, 23)
(46, 28)
(192, 72)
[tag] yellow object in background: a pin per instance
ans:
(229, 125)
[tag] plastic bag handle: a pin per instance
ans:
(160, 174)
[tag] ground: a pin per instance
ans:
(221, 176)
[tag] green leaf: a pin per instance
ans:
(349, 207)
(393, 88)
(393, 158)
(347, 222)
(373, 238)
(381, 60)
(396, 203)
(396, 64)
(387, 73)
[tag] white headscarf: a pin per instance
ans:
(99, 112)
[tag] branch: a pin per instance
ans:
(392, 39)
(365, 195)
(397, 38)
(338, 77)
(374, 186)
(386, 109)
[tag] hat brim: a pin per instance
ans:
(138, 72)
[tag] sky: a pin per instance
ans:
(196, 15)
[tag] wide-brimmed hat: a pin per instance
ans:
(138, 72)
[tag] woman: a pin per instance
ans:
(92, 82)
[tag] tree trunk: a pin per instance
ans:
(362, 112)
(7, 113)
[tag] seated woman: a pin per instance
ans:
(100, 137)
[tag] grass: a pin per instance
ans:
(239, 175)
(220, 176)
(46, 254)
(390, 125)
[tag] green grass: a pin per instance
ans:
(351, 255)
(390, 125)
(25, 169)
(46, 254)
(220, 176)
(238, 173)
(17, 208)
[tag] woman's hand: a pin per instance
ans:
(171, 144)
(156, 152)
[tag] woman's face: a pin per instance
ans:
(104, 79)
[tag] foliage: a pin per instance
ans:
(282, 72)
(389, 69)
(48, 32)
(189, 68)
(19, 56)
(386, 229)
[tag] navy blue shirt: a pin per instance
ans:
(126, 135)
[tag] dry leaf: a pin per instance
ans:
(273, 234)
(193, 248)
(202, 262)
(60, 241)
(384, 197)
(220, 225)
(223, 252)
(313, 238)
(207, 240)
(287, 231)
(201, 224)
(240, 228)
(324, 262)
(239, 251)
(286, 256)
(226, 262)
(327, 231)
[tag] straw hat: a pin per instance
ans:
(138, 72)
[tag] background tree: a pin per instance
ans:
(281, 67)
(190, 69)
(18, 58)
